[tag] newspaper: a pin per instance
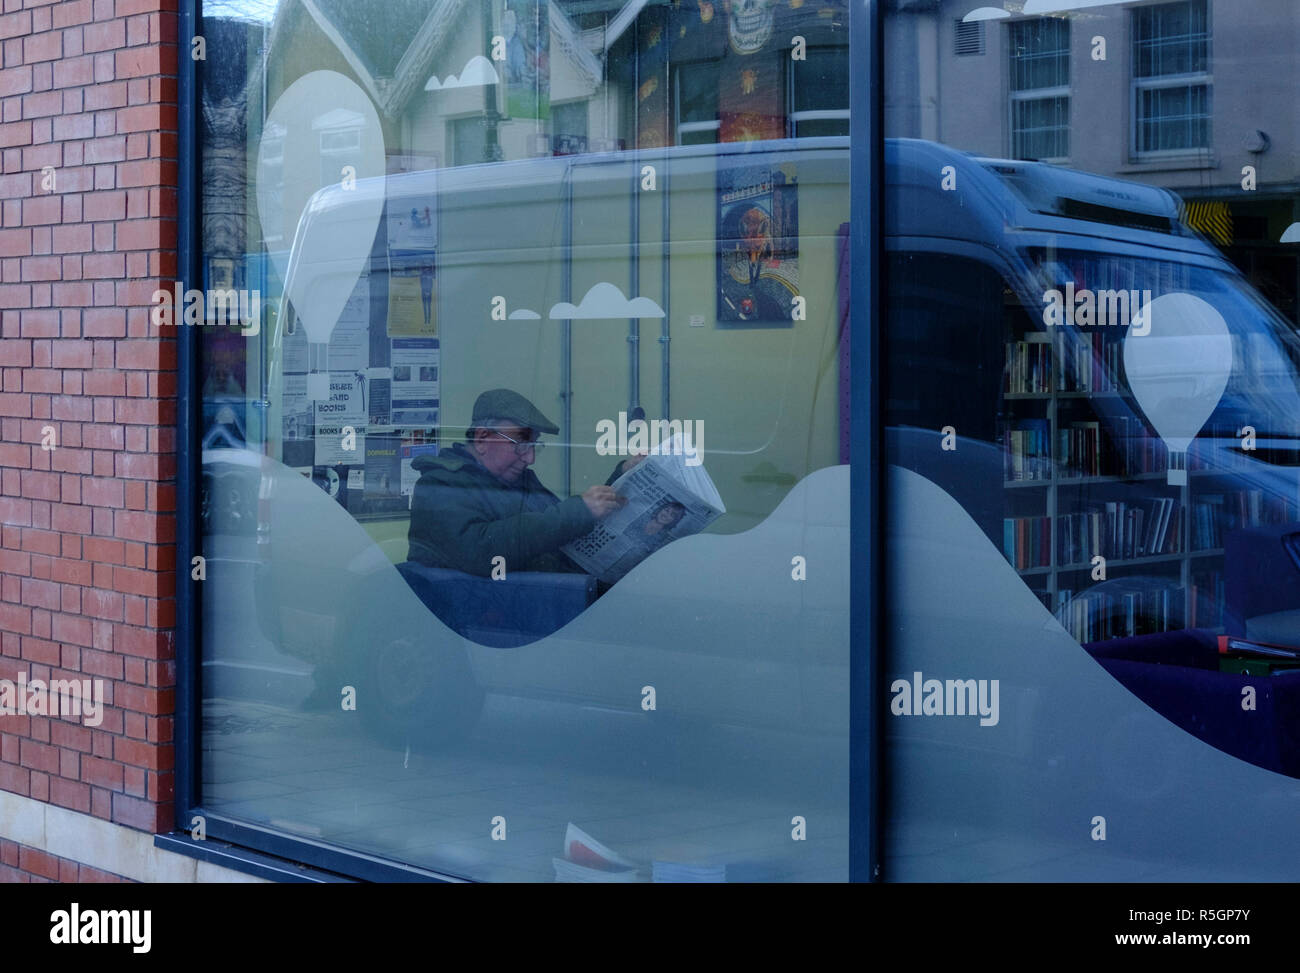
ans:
(666, 499)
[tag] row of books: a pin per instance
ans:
(1214, 514)
(1089, 360)
(1148, 527)
(1126, 449)
(1028, 366)
(1083, 449)
(1120, 529)
(1093, 616)
(1082, 361)
(1027, 542)
(1080, 447)
(1027, 450)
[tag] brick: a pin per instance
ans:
(70, 794)
(136, 813)
(104, 206)
(39, 756)
(106, 36)
(38, 862)
(42, 47)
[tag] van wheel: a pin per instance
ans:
(418, 694)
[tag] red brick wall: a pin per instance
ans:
(19, 863)
(87, 559)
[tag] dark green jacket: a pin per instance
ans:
(462, 517)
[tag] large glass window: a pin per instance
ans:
(525, 505)
(1093, 514)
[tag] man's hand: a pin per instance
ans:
(602, 501)
(631, 461)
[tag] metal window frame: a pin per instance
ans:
(287, 854)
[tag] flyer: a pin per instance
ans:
(414, 390)
(297, 411)
(412, 296)
(346, 406)
(349, 344)
(383, 474)
(410, 476)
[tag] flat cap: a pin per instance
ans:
(508, 404)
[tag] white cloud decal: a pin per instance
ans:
(524, 314)
(1291, 234)
(985, 13)
(606, 301)
(478, 71)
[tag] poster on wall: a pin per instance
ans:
(411, 225)
(412, 296)
(349, 342)
(411, 451)
(383, 472)
(412, 252)
(346, 406)
(415, 385)
(296, 409)
(758, 244)
(526, 27)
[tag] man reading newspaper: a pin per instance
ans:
(478, 500)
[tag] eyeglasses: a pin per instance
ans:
(522, 447)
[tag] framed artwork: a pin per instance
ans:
(758, 244)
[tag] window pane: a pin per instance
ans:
(1092, 377)
(822, 81)
(1041, 128)
(1174, 118)
(1171, 39)
(1040, 54)
(493, 253)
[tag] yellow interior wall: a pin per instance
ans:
(767, 395)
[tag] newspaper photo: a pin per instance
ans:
(666, 499)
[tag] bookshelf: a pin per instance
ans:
(1085, 475)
